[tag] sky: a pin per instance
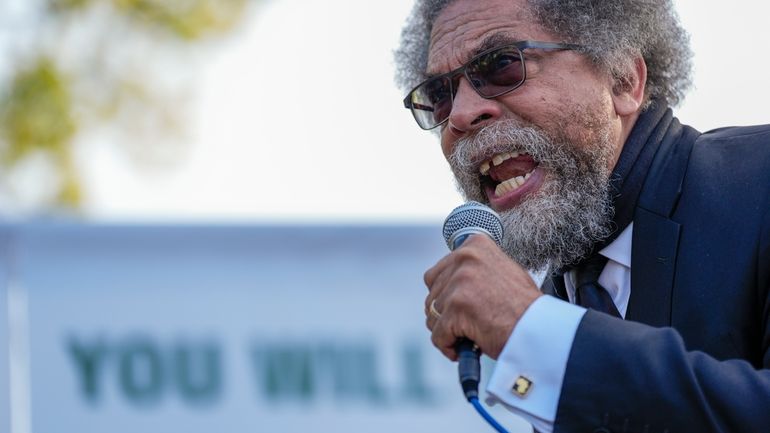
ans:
(296, 119)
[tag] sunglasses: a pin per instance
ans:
(492, 73)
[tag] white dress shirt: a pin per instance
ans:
(539, 346)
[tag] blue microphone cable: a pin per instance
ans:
(484, 414)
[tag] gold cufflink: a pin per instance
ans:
(522, 386)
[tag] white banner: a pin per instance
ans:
(225, 329)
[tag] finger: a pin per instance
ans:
(439, 286)
(431, 274)
(441, 289)
(432, 313)
(444, 336)
(430, 322)
(432, 309)
(445, 349)
(428, 302)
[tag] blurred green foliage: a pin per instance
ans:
(37, 116)
(186, 19)
(41, 106)
(38, 112)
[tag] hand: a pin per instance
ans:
(481, 294)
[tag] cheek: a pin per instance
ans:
(447, 143)
(584, 88)
(588, 119)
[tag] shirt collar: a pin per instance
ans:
(620, 249)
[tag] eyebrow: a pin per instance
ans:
(492, 41)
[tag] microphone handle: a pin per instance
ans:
(460, 239)
(468, 367)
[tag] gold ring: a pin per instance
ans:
(433, 311)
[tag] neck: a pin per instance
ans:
(627, 124)
(630, 171)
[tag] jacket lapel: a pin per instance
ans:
(655, 242)
(653, 258)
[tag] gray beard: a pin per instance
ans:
(560, 223)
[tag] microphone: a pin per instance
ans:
(465, 220)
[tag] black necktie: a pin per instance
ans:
(588, 292)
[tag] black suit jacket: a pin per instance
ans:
(693, 354)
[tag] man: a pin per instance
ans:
(556, 114)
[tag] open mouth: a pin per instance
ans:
(508, 177)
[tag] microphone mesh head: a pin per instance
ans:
(473, 217)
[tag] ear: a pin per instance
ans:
(628, 92)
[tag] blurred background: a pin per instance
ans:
(167, 167)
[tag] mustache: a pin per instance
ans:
(498, 137)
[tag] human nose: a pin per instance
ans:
(470, 111)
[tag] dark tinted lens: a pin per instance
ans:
(432, 102)
(497, 72)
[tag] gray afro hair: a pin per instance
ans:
(612, 32)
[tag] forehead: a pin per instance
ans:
(466, 27)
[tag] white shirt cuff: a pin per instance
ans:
(538, 350)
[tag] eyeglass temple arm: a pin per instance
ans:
(411, 105)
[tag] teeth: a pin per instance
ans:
(506, 187)
(484, 169)
(511, 184)
(498, 159)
